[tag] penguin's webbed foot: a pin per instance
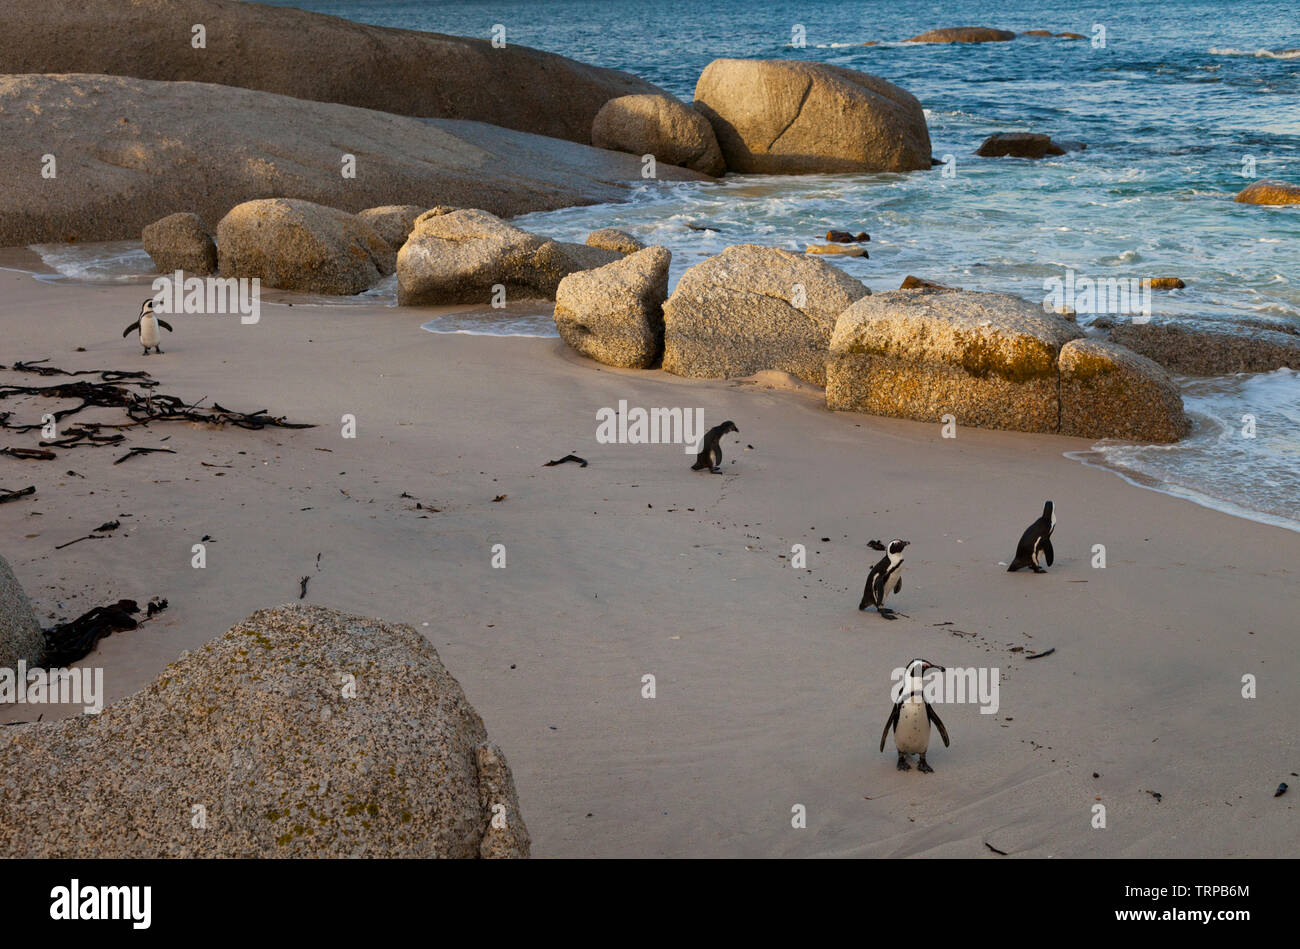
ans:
(902, 762)
(923, 766)
(1038, 569)
(715, 470)
(886, 612)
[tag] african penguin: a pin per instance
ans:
(885, 577)
(148, 323)
(911, 718)
(710, 455)
(1037, 539)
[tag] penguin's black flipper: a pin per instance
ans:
(891, 723)
(899, 585)
(937, 724)
(164, 324)
(133, 328)
(1047, 551)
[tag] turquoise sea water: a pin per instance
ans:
(1180, 99)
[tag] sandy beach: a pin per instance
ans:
(771, 687)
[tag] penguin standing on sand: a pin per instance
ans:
(911, 718)
(148, 324)
(1036, 540)
(885, 577)
(710, 455)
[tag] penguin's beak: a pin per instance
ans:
(931, 665)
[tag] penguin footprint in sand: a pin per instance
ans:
(885, 577)
(710, 455)
(911, 718)
(1036, 541)
(148, 324)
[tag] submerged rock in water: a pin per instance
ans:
(841, 250)
(608, 238)
(916, 283)
(1164, 283)
(302, 732)
(298, 245)
(752, 308)
(180, 242)
(1019, 145)
(20, 633)
(775, 116)
(964, 34)
(988, 359)
(1269, 191)
(1210, 351)
(614, 314)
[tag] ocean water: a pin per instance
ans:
(1183, 104)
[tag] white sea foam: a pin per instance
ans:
(1260, 53)
(539, 325)
(1217, 466)
(100, 262)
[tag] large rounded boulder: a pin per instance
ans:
(790, 117)
(20, 633)
(614, 314)
(310, 56)
(297, 245)
(661, 126)
(987, 359)
(180, 242)
(302, 732)
(753, 308)
(1108, 391)
(392, 222)
(464, 256)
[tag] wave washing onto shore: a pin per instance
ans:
(538, 324)
(1218, 465)
(102, 262)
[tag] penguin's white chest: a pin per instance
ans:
(148, 331)
(891, 580)
(912, 736)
